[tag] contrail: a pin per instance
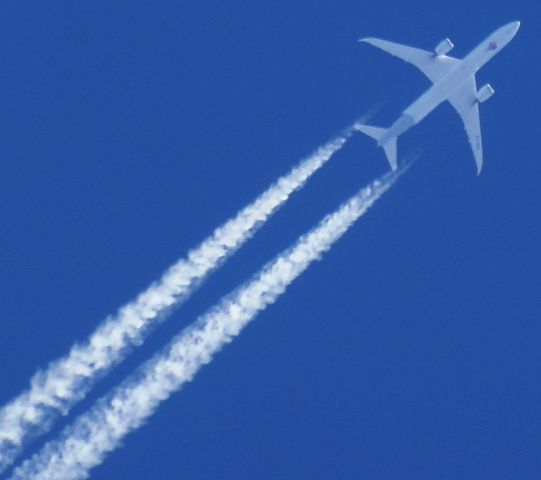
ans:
(54, 391)
(85, 443)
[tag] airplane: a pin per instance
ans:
(452, 79)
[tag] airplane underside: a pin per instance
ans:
(452, 80)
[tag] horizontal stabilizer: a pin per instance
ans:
(376, 133)
(390, 151)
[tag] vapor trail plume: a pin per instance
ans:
(55, 390)
(86, 442)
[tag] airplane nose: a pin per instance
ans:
(513, 27)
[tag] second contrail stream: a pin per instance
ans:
(85, 443)
(55, 390)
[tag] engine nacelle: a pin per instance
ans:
(485, 93)
(444, 47)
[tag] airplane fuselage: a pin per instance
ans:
(441, 90)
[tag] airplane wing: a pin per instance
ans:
(432, 65)
(464, 101)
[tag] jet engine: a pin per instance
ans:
(444, 47)
(485, 93)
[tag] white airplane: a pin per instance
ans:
(452, 79)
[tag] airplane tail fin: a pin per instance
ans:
(376, 133)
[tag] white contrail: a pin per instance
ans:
(52, 392)
(86, 442)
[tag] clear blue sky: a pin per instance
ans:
(129, 130)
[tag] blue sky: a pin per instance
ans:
(130, 130)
